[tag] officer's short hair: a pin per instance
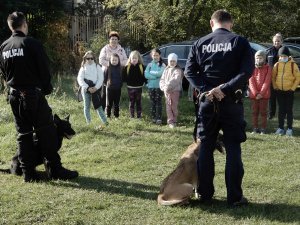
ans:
(16, 20)
(221, 16)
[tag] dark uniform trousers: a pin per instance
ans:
(32, 114)
(228, 116)
(272, 102)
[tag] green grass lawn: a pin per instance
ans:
(122, 166)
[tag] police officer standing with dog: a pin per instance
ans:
(23, 63)
(219, 65)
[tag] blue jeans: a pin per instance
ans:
(87, 98)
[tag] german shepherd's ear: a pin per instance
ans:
(56, 119)
(67, 117)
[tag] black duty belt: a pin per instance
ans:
(23, 91)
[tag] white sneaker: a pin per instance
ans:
(172, 125)
(289, 132)
(158, 122)
(279, 131)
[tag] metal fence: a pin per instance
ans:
(82, 29)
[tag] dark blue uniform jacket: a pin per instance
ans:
(220, 57)
(24, 63)
(272, 56)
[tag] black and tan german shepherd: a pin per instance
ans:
(64, 129)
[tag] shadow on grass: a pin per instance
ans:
(113, 186)
(279, 212)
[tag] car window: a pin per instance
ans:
(179, 50)
(163, 53)
(188, 50)
(147, 58)
(257, 47)
(295, 52)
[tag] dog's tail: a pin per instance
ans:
(8, 171)
(161, 201)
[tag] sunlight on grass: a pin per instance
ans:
(121, 168)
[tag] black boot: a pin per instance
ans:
(60, 173)
(31, 176)
(15, 166)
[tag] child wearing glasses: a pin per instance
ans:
(90, 79)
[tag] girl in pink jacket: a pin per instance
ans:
(171, 84)
(259, 87)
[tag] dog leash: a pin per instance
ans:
(201, 98)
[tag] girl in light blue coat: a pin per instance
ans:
(153, 74)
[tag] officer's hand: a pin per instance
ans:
(209, 97)
(215, 92)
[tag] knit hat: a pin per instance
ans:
(284, 51)
(172, 56)
(261, 53)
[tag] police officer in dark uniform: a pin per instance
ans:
(23, 63)
(219, 65)
(272, 58)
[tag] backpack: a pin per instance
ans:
(292, 67)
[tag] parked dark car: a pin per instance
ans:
(182, 50)
(295, 40)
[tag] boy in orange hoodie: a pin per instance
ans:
(259, 91)
(285, 79)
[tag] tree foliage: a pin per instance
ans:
(47, 22)
(149, 23)
(176, 20)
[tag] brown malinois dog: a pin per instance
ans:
(177, 188)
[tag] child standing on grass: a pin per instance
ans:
(170, 84)
(259, 91)
(113, 83)
(133, 75)
(285, 79)
(153, 74)
(90, 79)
